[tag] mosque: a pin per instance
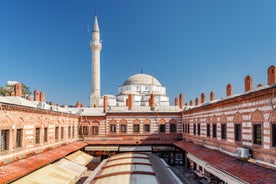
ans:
(140, 86)
(119, 139)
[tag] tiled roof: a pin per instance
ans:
(246, 171)
(17, 169)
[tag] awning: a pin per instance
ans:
(228, 178)
(101, 148)
(223, 176)
(197, 160)
(22, 167)
(72, 166)
(226, 167)
(80, 157)
(135, 148)
(50, 174)
(163, 148)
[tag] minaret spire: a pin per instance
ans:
(96, 25)
(96, 47)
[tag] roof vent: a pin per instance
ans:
(243, 152)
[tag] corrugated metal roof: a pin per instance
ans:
(49, 174)
(127, 179)
(128, 155)
(218, 161)
(80, 158)
(126, 168)
(129, 160)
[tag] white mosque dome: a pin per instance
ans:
(141, 79)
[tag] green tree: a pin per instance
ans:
(8, 89)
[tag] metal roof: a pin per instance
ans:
(227, 167)
(126, 168)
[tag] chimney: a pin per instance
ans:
(81, 105)
(191, 103)
(181, 101)
(271, 75)
(202, 96)
(29, 98)
(36, 95)
(196, 101)
(212, 96)
(105, 104)
(176, 101)
(78, 104)
(247, 83)
(152, 100)
(18, 89)
(130, 102)
(42, 96)
(229, 90)
(12, 93)
(51, 103)
(127, 102)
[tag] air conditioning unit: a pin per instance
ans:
(243, 152)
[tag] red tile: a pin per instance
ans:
(253, 174)
(20, 168)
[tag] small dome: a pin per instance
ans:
(141, 79)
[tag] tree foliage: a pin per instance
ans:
(8, 89)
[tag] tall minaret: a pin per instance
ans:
(96, 47)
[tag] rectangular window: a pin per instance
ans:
(188, 128)
(162, 128)
(208, 130)
(198, 129)
(37, 135)
(146, 128)
(123, 128)
(69, 132)
(5, 140)
(113, 128)
(95, 130)
(237, 132)
(194, 129)
(273, 135)
(56, 133)
(80, 130)
(257, 134)
(85, 130)
(73, 131)
(19, 136)
(223, 131)
(172, 127)
(62, 133)
(45, 134)
(136, 128)
(214, 130)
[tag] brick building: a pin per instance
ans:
(232, 139)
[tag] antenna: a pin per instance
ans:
(141, 69)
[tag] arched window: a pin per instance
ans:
(257, 120)
(238, 127)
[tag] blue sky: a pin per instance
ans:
(190, 46)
